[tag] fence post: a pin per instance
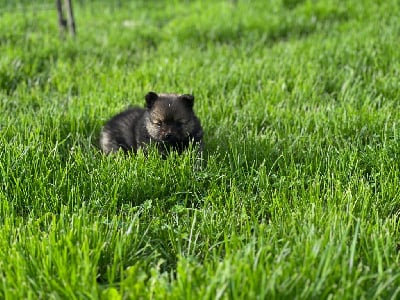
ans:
(62, 22)
(70, 14)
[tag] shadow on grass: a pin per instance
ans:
(294, 22)
(32, 63)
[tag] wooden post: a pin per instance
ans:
(70, 14)
(70, 21)
(62, 23)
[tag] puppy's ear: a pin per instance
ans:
(188, 99)
(151, 97)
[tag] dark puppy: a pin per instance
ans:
(167, 121)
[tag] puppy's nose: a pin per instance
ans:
(168, 136)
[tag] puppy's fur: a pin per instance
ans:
(167, 121)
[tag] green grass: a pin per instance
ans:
(300, 197)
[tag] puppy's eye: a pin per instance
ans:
(181, 123)
(157, 123)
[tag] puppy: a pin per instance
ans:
(167, 121)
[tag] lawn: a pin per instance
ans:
(300, 196)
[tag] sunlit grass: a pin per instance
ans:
(299, 197)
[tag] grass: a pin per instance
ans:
(300, 197)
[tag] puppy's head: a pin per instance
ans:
(170, 117)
